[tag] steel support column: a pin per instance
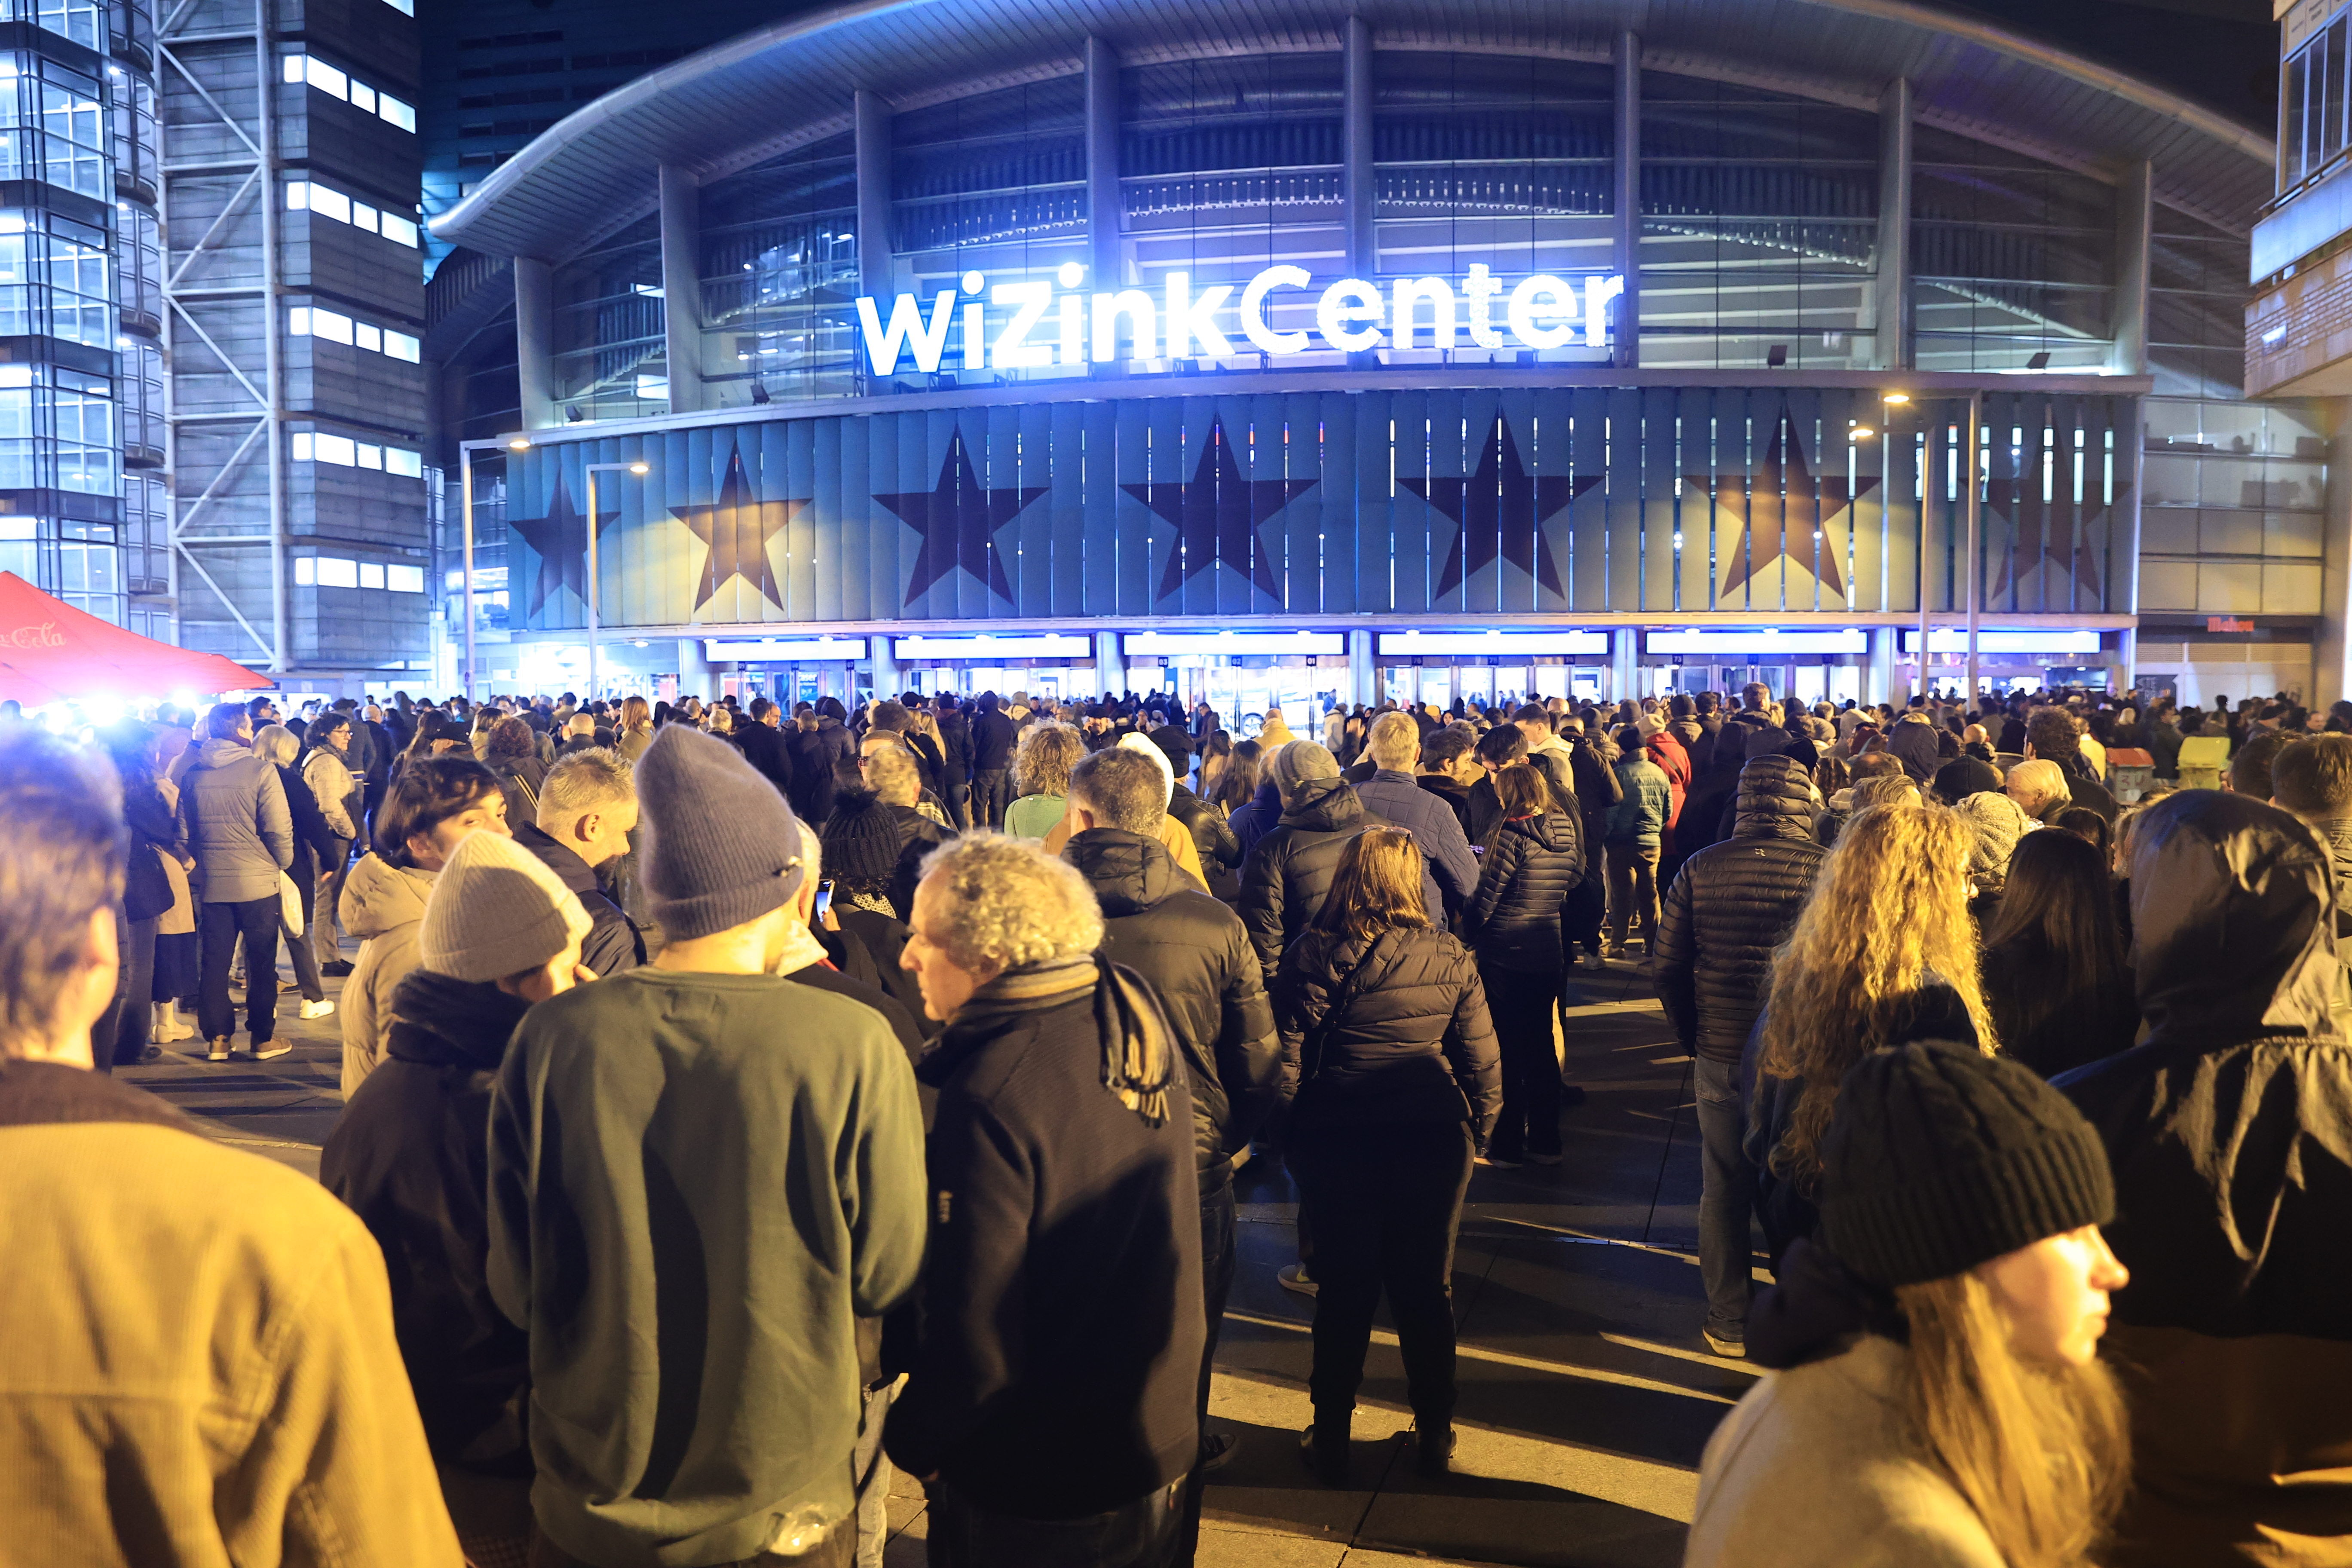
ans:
(534, 287)
(1105, 206)
(871, 118)
(2135, 209)
(681, 274)
(1628, 199)
(1358, 191)
(1890, 290)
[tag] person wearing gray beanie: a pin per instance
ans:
(722, 846)
(770, 1128)
(1289, 872)
(1937, 1394)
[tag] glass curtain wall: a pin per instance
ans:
(778, 274)
(1759, 226)
(1495, 161)
(994, 185)
(1227, 167)
(2011, 259)
(610, 360)
(2196, 308)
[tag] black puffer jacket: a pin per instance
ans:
(1289, 872)
(1387, 1032)
(2230, 1130)
(1731, 905)
(1531, 865)
(1212, 837)
(1196, 955)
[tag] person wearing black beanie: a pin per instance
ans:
(1937, 1396)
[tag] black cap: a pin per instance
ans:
(1939, 1158)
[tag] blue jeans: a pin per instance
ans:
(1139, 1535)
(1727, 1197)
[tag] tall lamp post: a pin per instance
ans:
(639, 467)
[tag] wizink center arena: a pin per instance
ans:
(1273, 350)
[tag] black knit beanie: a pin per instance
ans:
(861, 841)
(1939, 1158)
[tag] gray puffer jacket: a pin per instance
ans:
(239, 827)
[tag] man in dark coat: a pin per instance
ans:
(762, 741)
(1449, 871)
(410, 1155)
(994, 737)
(1197, 957)
(2230, 1129)
(1057, 1381)
(2054, 735)
(823, 742)
(1730, 908)
(955, 751)
(587, 808)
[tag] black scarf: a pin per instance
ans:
(1137, 1063)
(443, 1022)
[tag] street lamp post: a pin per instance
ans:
(638, 467)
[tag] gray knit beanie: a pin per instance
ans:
(1300, 762)
(1939, 1158)
(721, 848)
(495, 911)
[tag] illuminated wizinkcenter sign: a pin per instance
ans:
(1032, 326)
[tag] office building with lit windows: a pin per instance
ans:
(1391, 350)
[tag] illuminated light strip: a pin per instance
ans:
(1955, 639)
(1498, 643)
(1849, 639)
(1053, 644)
(784, 648)
(1237, 644)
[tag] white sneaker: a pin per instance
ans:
(1293, 1276)
(270, 1050)
(216, 1050)
(317, 1009)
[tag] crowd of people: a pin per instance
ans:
(743, 1103)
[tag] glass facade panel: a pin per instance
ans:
(1493, 161)
(1227, 167)
(2010, 257)
(779, 272)
(2196, 308)
(608, 326)
(1758, 227)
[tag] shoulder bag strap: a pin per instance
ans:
(1310, 1050)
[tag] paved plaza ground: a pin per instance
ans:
(1586, 1394)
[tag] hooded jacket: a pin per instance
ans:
(1387, 1032)
(1289, 873)
(1733, 903)
(1197, 957)
(383, 906)
(239, 829)
(1255, 817)
(1913, 742)
(813, 755)
(410, 1157)
(1212, 841)
(2230, 1129)
(1512, 920)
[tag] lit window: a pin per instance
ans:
(407, 464)
(400, 345)
(331, 325)
(293, 67)
(303, 446)
(298, 320)
(330, 204)
(653, 386)
(370, 456)
(369, 338)
(400, 231)
(338, 449)
(370, 575)
(363, 97)
(327, 79)
(404, 579)
(334, 572)
(363, 216)
(306, 567)
(297, 196)
(392, 111)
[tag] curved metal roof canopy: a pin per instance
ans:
(595, 171)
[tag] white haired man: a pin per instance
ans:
(1052, 1408)
(587, 808)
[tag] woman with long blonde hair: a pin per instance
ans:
(1885, 951)
(1938, 1395)
(636, 728)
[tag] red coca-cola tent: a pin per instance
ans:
(51, 652)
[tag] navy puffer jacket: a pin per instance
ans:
(1513, 920)
(1410, 1041)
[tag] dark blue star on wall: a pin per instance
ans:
(957, 519)
(1216, 514)
(1501, 510)
(736, 527)
(561, 544)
